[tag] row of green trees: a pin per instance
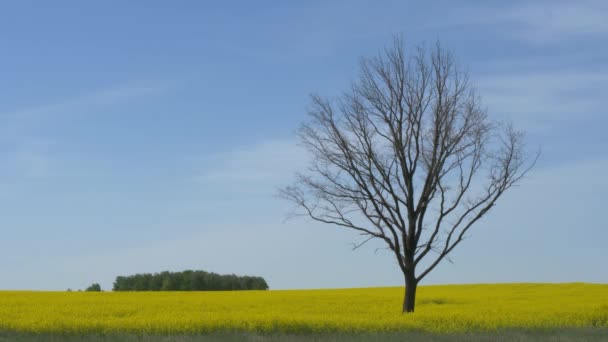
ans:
(188, 281)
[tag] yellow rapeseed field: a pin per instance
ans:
(449, 308)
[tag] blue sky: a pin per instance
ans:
(152, 135)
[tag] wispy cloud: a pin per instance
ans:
(272, 161)
(544, 98)
(554, 22)
(29, 153)
(538, 22)
(32, 159)
(102, 97)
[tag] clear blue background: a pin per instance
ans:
(142, 136)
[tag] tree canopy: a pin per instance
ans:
(188, 281)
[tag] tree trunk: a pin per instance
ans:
(410, 293)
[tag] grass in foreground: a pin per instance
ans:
(562, 335)
(445, 309)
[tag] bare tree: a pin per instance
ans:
(408, 156)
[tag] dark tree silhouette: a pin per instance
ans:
(95, 287)
(409, 156)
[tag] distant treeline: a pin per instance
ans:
(188, 281)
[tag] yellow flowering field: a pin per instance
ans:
(445, 308)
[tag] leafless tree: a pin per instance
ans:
(409, 156)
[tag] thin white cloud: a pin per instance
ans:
(538, 22)
(555, 21)
(266, 162)
(30, 155)
(103, 97)
(32, 159)
(544, 98)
